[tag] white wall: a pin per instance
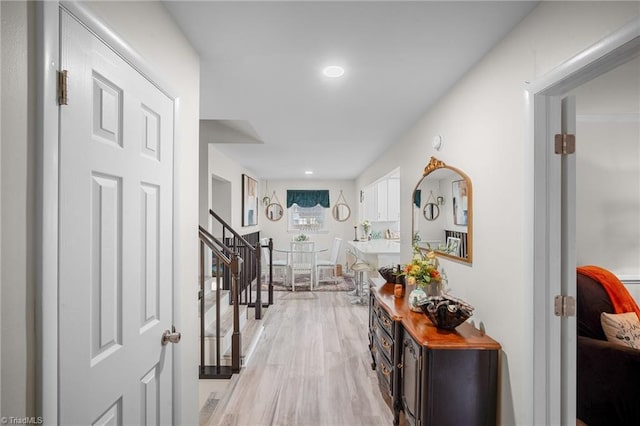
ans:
(608, 171)
(278, 230)
(167, 51)
(483, 122)
(18, 211)
(223, 167)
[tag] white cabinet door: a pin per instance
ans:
(370, 203)
(393, 199)
(381, 189)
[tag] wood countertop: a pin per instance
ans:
(465, 336)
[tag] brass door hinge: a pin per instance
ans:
(62, 87)
(565, 144)
(564, 306)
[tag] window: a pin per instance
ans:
(307, 219)
(306, 210)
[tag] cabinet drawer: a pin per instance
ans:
(385, 371)
(385, 321)
(384, 342)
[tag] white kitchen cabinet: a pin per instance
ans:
(382, 200)
(393, 199)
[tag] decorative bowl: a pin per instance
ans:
(389, 273)
(446, 312)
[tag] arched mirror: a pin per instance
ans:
(443, 211)
(341, 210)
(274, 210)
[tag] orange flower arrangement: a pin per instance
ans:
(424, 269)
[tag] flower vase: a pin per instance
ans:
(433, 288)
(416, 297)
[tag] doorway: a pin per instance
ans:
(220, 202)
(554, 222)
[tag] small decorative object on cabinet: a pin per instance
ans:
(436, 377)
(417, 297)
(391, 273)
(424, 270)
(446, 311)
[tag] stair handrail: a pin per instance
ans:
(255, 252)
(209, 240)
(227, 226)
(234, 262)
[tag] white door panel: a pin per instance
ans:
(115, 254)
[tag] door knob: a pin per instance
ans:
(170, 336)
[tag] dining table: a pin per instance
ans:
(289, 253)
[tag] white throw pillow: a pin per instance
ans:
(623, 329)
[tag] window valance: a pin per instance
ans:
(308, 198)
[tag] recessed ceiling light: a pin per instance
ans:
(308, 172)
(333, 71)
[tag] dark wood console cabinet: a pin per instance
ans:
(435, 376)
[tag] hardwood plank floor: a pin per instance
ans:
(311, 367)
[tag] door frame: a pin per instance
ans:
(543, 121)
(47, 110)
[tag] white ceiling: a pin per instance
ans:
(261, 74)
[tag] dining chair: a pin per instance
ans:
(302, 261)
(277, 264)
(331, 263)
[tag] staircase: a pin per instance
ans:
(250, 328)
(230, 303)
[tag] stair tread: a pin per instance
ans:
(226, 321)
(210, 297)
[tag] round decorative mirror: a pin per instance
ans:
(443, 222)
(431, 211)
(341, 210)
(274, 210)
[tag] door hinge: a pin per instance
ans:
(565, 144)
(62, 87)
(565, 306)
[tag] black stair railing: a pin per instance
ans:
(251, 274)
(224, 259)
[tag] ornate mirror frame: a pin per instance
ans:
(435, 164)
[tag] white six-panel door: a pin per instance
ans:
(115, 239)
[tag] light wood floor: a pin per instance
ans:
(311, 367)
